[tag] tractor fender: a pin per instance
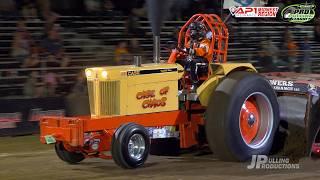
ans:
(219, 70)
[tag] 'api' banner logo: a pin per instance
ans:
(253, 12)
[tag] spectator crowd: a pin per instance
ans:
(48, 50)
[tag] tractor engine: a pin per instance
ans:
(130, 89)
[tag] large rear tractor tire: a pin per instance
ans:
(313, 141)
(242, 117)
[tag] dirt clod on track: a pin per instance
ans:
(25, 158)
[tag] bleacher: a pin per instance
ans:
(246, 37)
(90, 41)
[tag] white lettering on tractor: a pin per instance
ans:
(281, 83)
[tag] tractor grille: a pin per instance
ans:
(104, 97)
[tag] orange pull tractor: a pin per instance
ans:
(136, 107)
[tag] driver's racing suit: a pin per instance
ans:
(200, 58)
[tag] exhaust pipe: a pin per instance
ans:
(137, 61)
(156, 13)
(156, 49)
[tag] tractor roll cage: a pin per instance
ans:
(219, 38)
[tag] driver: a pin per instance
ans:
(198, 46)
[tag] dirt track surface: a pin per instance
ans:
(25, 158)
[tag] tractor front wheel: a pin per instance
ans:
(242, 117)
(67, 156)
(130, 146)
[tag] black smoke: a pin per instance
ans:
(157, 10)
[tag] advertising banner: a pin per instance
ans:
(21, 116)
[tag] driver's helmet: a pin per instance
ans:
(197, 31)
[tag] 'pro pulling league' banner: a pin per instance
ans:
(243, 3)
